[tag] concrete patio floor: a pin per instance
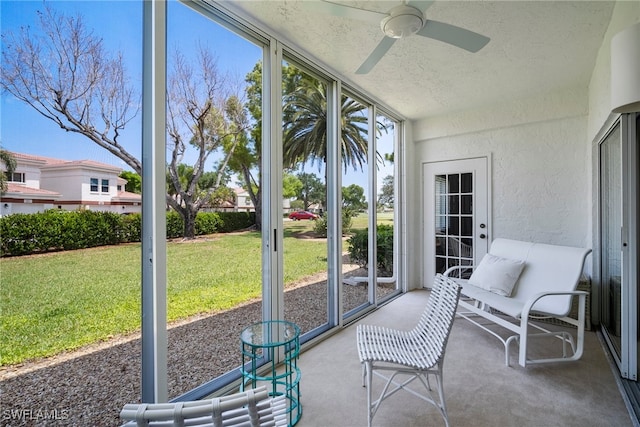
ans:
(480, 390)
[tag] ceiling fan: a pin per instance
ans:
(403, 21)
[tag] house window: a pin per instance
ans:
(14, 176)
(105, 186)
(94, 185)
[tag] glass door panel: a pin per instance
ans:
(611, 244)
(387, 280)
(454, 220)
(456, 212)
(304, 153)
(356, 203)
(618, 272)
(214, 275)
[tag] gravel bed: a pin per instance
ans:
(90, 386)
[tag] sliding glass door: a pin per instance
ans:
(618, 242)
(610, 238)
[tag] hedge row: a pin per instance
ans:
(55, 230)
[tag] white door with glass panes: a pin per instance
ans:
(455, 215)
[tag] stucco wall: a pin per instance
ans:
(542, 159)
(625, 14)
(540, 170)
(74, 184)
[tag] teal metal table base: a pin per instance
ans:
(264, 344)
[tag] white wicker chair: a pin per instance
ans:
(250, 408)
(417, 353)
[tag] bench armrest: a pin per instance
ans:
(531, 301)
(459, 268)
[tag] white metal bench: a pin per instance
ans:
(545, 288)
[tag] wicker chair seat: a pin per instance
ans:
(417, 353)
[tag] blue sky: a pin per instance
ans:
(119, 23)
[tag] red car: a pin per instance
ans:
(296, 216)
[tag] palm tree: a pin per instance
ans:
(305, 126)
(10, 163)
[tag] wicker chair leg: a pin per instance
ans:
(442, 406)
(368, 370)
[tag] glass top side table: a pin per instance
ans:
(264, 344)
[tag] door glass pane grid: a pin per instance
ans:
(453, 220)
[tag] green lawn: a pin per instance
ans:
(60, 301)
(55, 302)
(362, 220)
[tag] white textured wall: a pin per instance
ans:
(541, 166)
(625, 14)
(542, 158)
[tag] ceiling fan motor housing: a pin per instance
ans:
(402, 21)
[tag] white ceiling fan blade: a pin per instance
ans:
(456, 36)
(382, 48)
(421, 5)
(345, 11)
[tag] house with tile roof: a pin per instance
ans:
(39, 183)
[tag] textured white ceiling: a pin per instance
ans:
(536, 47)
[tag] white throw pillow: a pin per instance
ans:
(497, 275)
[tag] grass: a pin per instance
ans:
(61, 301)
(361, 221)
(56, 302)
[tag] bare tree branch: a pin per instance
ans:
(65, 75)
(201, 116)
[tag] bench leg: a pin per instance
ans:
(522, 356)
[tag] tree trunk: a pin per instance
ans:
(256, 197)
(189, 218)
(258, 205)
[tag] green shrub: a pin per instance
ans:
(207, 223)
(347, 219)
(54, 230)
(131, 228)
(359, 248)
(175, 225)
(17, 234)
(385, 249)
(234, 221)
(320, 226)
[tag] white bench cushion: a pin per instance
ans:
(496, 274)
